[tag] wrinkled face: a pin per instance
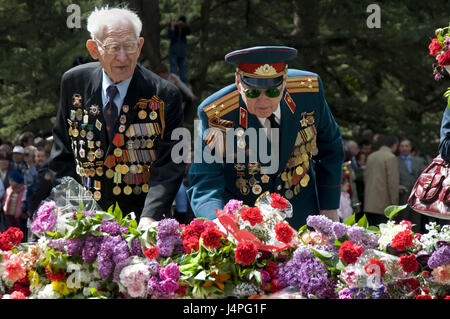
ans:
(119, 66)
(404, 148)
(40, 158)
(262, 106)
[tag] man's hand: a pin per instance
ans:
(144, 223)
(331, 214)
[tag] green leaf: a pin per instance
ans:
(363, 222)
(392, 210)
(350, 221)
(324, 256)
(105, 216)
(111, 209)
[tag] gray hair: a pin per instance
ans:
(100, 18)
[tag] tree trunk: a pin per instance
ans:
(148, 11)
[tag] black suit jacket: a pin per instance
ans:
(85, 81)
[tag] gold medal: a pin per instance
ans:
(284, 176)
(97, 195)
(140, 169)
(127, 190)
(252, 181)
(299, 170)
(315, 151)
(149, 143)
(109, 173)
(241, 182)
(145, 188)
(142, 114)
(99, 171)
(302, 149)
(116, 190)
(265, 178)
(70, 131)
(117, 152)
(83, 133)
(153, 115)
(75, 132)
(308, 147)
(305, 157)
(124, 169)
(305, 180)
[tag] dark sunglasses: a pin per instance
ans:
(254, 93)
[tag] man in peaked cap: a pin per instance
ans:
(307, 152)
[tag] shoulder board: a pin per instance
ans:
(223, 105)
(302, 84)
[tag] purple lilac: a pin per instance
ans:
(358, 236)
(321, 224)
(154, 267)
(75, 246)
(111, 227)
(91, 247)
(440, 257)
(265, 277)
(45, 219)
(168, 236)
(57, 244)
(307, 274)
(232, 205)
(120, 251)
(339, 230)
(438, 76)
(124, 229)
(135, 248)
(105, 262)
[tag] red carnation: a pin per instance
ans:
(11, 238)
(434, 47)
(59, 276)
(284, 232)
(412, 283)
(246, 252)
(211, 237)
(278, 201)
(272, 268)
(425, 274)
(274, 286)
(252, 214)
(444, 58)
(447, 297)
(408, 262)
(373, 266)
(21, 288)
(152, 253)
(349, 252)
(402, 240)
(424, 297)
(189, 244)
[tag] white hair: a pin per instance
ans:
(100, 18)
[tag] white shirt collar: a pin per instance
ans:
(122, 88)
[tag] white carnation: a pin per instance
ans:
(48, 293)
(388, 232)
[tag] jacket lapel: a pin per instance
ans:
(289, 128)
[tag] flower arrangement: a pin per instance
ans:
(439, 48)
(247, 252)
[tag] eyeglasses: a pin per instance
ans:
(255, 93)
(129, 47)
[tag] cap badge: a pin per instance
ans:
(266, 70)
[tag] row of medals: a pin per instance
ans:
(94, 168)
(294, 175)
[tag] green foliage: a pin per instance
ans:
(392, 210)
(380, 78)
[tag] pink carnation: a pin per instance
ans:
(14, 267)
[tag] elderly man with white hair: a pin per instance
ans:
(114, 123)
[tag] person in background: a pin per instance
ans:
(163, 72)
(381, 181)
(26, 139)
(18, 159)
(5, 168)
(177, 33)
(12, 203)
(345, 207)
(29, 155)
(409, 168)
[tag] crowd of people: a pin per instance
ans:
(380, 171)
(23, 173)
